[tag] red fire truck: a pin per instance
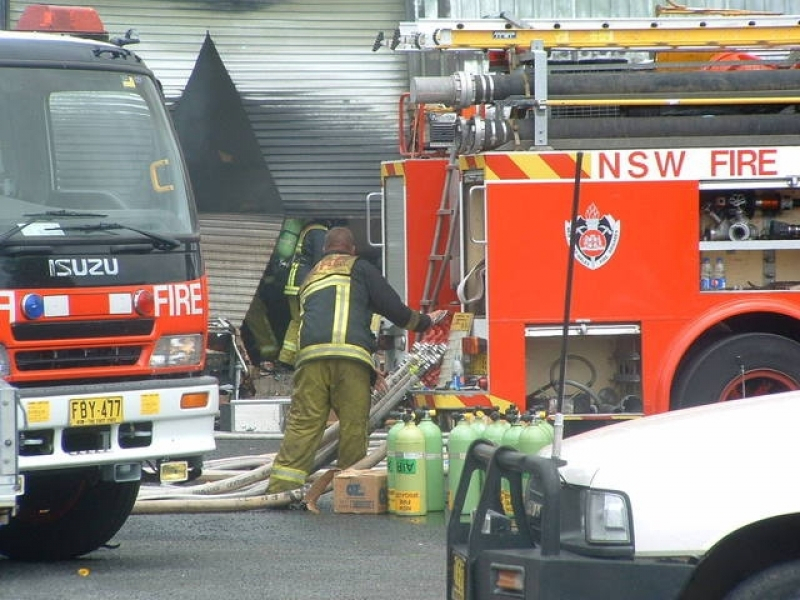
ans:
(616, 210)
(103, 298)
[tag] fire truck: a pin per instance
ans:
(610, 207)
(103, 296)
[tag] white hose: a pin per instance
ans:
(227, 487)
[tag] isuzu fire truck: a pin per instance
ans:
(616, 208)
(103, 299)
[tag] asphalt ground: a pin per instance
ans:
(258, 554)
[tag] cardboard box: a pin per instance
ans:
(360, 492)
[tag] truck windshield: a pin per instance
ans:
(92, 144)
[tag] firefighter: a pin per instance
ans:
(334, 366)
(307, 252)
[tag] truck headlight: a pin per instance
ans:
(607, 518)
(177, 351)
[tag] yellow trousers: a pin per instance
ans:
(338, 384)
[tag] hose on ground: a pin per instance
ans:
(239, 483)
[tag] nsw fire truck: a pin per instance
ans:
(612, 209)
(103, 299)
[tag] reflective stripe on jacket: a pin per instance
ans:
(335, 313)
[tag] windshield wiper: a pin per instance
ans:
(160, 242)
(31, 218)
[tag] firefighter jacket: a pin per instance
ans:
(337, 299)
(308, 251)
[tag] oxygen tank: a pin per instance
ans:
(511, 439)
(410, 472)
(479, 423)
(547, 427)
(391, 443)
(434, 462)
(461, 436)
(287, 239)
(534, 437)
(494, 431)
(513, 431)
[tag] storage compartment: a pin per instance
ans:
(754, 235)
(603, 371)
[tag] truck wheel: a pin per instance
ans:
(780, 582)
(739, 366)
(65, 515)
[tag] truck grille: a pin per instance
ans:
(77, 358)
(70, 330)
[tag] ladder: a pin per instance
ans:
(442, 253)
(676, 33)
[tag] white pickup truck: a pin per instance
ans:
(700, 503)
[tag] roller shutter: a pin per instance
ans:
(321, 102)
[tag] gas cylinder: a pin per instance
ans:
(496, 428)
(510, 438)
(534, 437)
(391, 442)
(434, 462)
(547, 427)
(512, 433)
(461, 436)
(287, 239)
(410, 473)
(479, 423)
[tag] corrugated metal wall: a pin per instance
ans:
(565, 9)
(323, 105)
(236, 249)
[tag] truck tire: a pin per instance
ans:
(780, 582)
(65, 515)
(761, 363)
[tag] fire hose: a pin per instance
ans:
(235, 485)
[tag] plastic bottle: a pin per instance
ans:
(719, 282)
(410, 472)
(705, 274)
(461, 437)
(434, 462)
(458, 372)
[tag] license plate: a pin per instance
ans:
(95, 411)
(458, 588)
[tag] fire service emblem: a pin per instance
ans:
(597, 237)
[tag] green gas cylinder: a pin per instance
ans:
(391, 439)
(287, 238)
(511, 439)
(410, 473)
(461, 437)
(434, 462)
(512, 433)
(479, 423)
(547, 427)
(534, 437)
(495, 429)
